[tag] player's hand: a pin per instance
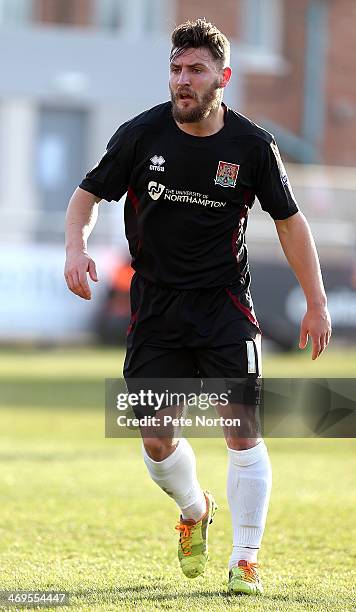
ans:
(316, 323)
(78, 265)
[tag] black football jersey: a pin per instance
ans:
(188, 197)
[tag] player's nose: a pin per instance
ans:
(184, 78)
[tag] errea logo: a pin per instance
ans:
(157, 162)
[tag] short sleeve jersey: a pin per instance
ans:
(188, 197)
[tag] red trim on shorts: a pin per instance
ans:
(243, 309)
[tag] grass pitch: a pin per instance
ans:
(79, 512)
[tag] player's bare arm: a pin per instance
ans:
(82, 214)
(299, 248)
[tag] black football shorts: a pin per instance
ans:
(192, 334)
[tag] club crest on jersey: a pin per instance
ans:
(226, 174)
(155, 190)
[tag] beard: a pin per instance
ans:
(206, 104)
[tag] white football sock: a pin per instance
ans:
(248, 492)
(176, 475)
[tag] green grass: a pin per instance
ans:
(79, 512)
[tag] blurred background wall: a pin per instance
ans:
(73, 70)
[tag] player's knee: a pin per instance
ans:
(241, 443)
(159, 448)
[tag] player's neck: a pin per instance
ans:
(206, 127)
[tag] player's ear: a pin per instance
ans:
(226, 76)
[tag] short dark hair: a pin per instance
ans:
(200, 33)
